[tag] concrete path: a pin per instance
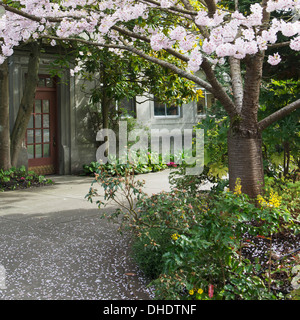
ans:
(55, 246)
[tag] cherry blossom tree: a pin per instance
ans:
(201, 35)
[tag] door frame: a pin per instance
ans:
(38, 166)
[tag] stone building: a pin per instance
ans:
(59, 139)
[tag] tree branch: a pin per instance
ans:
(171, 67)
(172, 8)
(237, 82)
(279, 45)
(29, 16)
(211, 6)
(266, 122)
(160, 62)
(217, 89)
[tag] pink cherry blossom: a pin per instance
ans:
(227, 34)
(295, 44)
(165, 3)
(274, 60)
(178, 33)
(195, 60)
(159, 41)
(289, 29)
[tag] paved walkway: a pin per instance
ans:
(54, 246)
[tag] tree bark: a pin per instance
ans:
(5, 162)
(27, 102)
(244, 138)
(237, 82)
(245, 162)
(104, 103)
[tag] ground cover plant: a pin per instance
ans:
(153, 163)
(20, 178)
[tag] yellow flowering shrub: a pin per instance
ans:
(274, 200)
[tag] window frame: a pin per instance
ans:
(166, 116)
(205, 103)
(119, 107)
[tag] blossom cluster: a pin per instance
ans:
(226, 34)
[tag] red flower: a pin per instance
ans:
(210, 290)
(172, 164)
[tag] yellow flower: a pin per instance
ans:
(274, 200)
(261, 200)
(238, 186)
(175, 236)
(191, 292)
(200, 291)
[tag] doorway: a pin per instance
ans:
(41, 133)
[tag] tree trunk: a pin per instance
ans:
(26, 105)
(244, 137)
(5, 162)
(245, 162)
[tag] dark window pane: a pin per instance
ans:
(49, 83)
(38, 151)
(38, 106)
(38, 136)
(46, 121)
(38, 121)
(159, 109)
(30, 151)
(46, 150)
(46, 135)
(41, 82)
(172, 111)
(127, 107)
(30, 136)
(201, 106)
(45, 106)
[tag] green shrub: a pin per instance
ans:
(114, 167)
(19, 178)
(193, 242)
(148, 253)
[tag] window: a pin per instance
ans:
(162, 110)
(45, 81)
(205, 103)
(128, 107)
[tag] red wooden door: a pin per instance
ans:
(41, 135)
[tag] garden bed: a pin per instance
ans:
(276, 255)
(19, 178)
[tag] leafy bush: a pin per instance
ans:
(211, 253)
(281, 140)
(19, 178)
(289, 192)
(203, 245)
(115, 167)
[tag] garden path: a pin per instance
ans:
(55, 246)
